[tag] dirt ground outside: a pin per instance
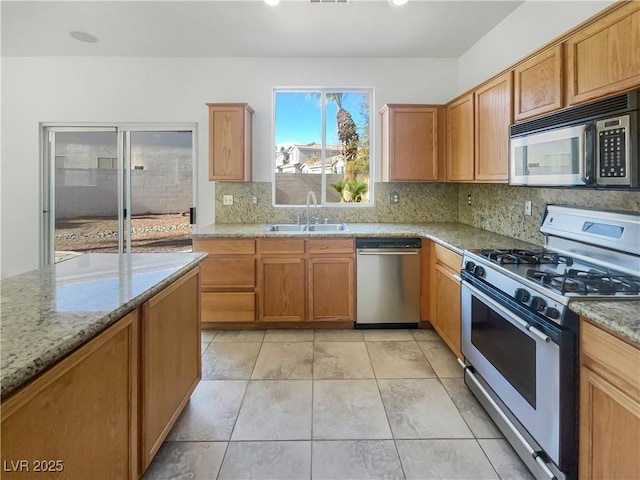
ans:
(150, 233)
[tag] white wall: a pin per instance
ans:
(82, 89)
(523, 31)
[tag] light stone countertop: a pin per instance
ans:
(455, 236)
(622, 318)
(47, 313)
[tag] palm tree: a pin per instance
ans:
(347, 134)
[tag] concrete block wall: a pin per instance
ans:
(94, 192)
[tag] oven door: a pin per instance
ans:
(518, 358)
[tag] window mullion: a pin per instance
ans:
(323, 149)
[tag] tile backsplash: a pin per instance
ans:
(498, 208)
(419, 202)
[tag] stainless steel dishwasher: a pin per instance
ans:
(388, 279)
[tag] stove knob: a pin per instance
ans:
(538, 304)
(470, 267)
(479, 271)
(552, 313)
(522, 295)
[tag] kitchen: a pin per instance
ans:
(58, 96)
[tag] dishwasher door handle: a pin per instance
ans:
(388, 251)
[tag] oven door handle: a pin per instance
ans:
(507, 313)
(538, 333)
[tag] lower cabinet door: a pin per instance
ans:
(609, 429)
(448, 308)
(331, 294)
(170, 359)
(78, 419)
(281, 289)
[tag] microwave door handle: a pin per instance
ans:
(589, 154)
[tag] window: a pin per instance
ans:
(107, 162)
(321, 144)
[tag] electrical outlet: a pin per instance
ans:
(254, 200)
(469, 199)
(227, 200)
(527, 208)
(394, 197)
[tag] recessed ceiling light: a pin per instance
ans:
(398, 2)
(273, 3)
(83, 37)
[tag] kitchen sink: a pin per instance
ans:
(315, 227)
(328, 227)
(286, 227)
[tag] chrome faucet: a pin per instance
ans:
(311, 194)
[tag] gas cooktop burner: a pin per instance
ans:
(587, 282)
(529, 257)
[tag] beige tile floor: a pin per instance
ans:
(332, 404)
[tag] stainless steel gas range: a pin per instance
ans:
(519, 337)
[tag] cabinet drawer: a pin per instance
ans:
(228, 307)
(610, 357)
(220, 272)
(448, 257)
(330, 246)
(280, 246)
(225, 247)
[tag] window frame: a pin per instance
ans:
(323, 91)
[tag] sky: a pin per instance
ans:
(298, 117)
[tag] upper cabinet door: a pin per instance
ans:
(604, 58)
(409, 143)
(459, 138)
(230, 141)
(538, 84)
(493, 115)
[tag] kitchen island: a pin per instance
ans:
(100, 354)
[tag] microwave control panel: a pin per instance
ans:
(613, 155)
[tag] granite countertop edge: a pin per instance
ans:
(18, 378)
(455, 236)
(619, 318)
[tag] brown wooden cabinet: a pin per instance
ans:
(444, 295)
(81, 413)
(609, 406)
(228, 280)
(170, 370)
(538, 84)
(331, 279)
(493, 115)
(410, 143)
(459, 133)
(281, 285)
(230, 142)
(281, 294)
(305, 280)
(604, 58)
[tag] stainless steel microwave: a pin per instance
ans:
(595, 145)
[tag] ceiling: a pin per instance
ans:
(249, 28)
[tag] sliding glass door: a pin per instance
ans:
(161, 189)
(116, 189)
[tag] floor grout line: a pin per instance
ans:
(249, 381)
